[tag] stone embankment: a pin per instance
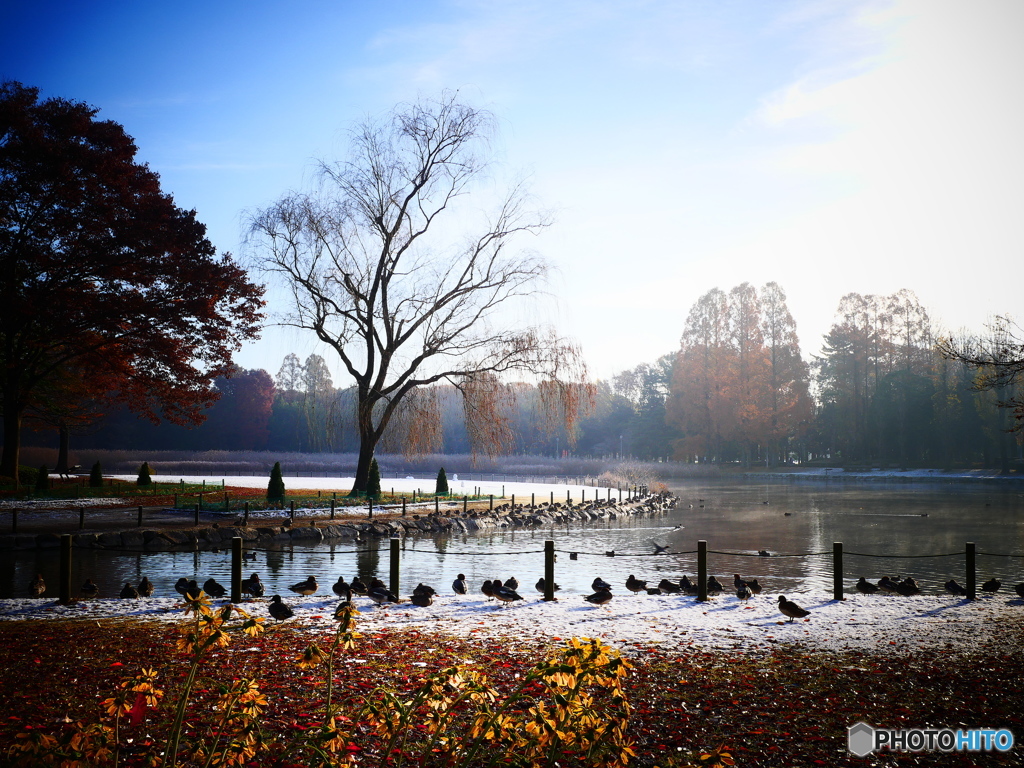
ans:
(217, 536)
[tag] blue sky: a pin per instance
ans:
(831, 146)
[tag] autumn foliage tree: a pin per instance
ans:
(405, 282)
(100, 270)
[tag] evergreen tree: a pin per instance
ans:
(96, 476)
(275, 489)
(43, 479)
(373, 483)
(442, 483)
(145, 477)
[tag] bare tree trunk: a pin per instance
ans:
(12, 441)
(62, 468)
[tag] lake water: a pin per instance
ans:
(884, 520)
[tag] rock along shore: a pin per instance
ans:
(311, 530)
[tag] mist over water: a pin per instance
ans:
(886, 521)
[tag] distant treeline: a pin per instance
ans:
(736, 391)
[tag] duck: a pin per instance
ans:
(754, 585)
(635, 585)
(599, 584)
(358, 586)
(1019, 589)
(743, 591)
(512, 583)
(38, 586)
(600, 597)
(145, 587)
(908, 587)
(764, 553)
(424, 589)
(687, 586)
(714, 585)
(346, 603)
(248, 555)
(305, 588)
(992, 585)
(421, 599)
(888, 585)
(341, 587)
(89, 589)
(668, 587)
(541, 585)
(791, 609)
(459, 585)
(253, 586)
(505, 594)
(381, 595)
(213, 588)
(574, 556)
(192, 589)
(279, 610)
(865, 587)
(954, 588)
(488, 588)
(128, 591)
(181, 586)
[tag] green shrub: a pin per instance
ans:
(96, 476)
(275, 488)
(27, 476)
(145, 476)
(442, 483)
(373, 482)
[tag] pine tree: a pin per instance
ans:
(145, 477)
(96, 476)
(373, 482)
(442, 483)
(43, 479)
(275, 489)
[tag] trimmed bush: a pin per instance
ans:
(373, 481)
(96, 476)
(145, 476)
(441, 489)
(275, 489)
(27, 475)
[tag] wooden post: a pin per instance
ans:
(395, 560)
(702, 571)
(65, 569)
(837, 570)
(465, 504)
(201, 499)
(369, 507)
(490, 503)
(140, 517)
(291, 510)
(583, 500)
(533, 500)
(197, 514)
(245, 515)
(436, 503)
(227, 504)
(568, 496)
(972, 576)
(81, 518)
(549, 570)
(513, 502)
(236, 569)
(552, 501)
(332, 509)
(403, 506)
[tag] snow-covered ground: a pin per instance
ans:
(879, 623)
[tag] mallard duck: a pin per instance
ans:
(687, 586)
(599, 584)
(754, 586)
(791, 609)
(424, 589)
(253, 586)
(192, 589)
(635, 585)
(380, 595)
(992, 585)
(248, 555)
(541, 584)
(279, 610)
(743, 591)
(512, 583)
(488, 588)
(866, 587)
(213, 588)
(600, 597)
(888, 585)
(908, 587)
(341, 587)
(346, 602)
(459, 585)
(714, 585)
(669, 587)
(358, 586)
(38, 586)
(421, 599)
(764, 553)
(305, 588)
(145, 587)
(181, 586)
(1019, 589)
(89, 589)
(128, 591)
(954, 588)
(505, 594)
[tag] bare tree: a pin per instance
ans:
(375, 270)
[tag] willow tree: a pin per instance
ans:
(390, 267)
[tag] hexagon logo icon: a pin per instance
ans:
(860, 739)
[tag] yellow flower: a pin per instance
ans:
(311, 657)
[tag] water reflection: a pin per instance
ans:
(798, 524)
